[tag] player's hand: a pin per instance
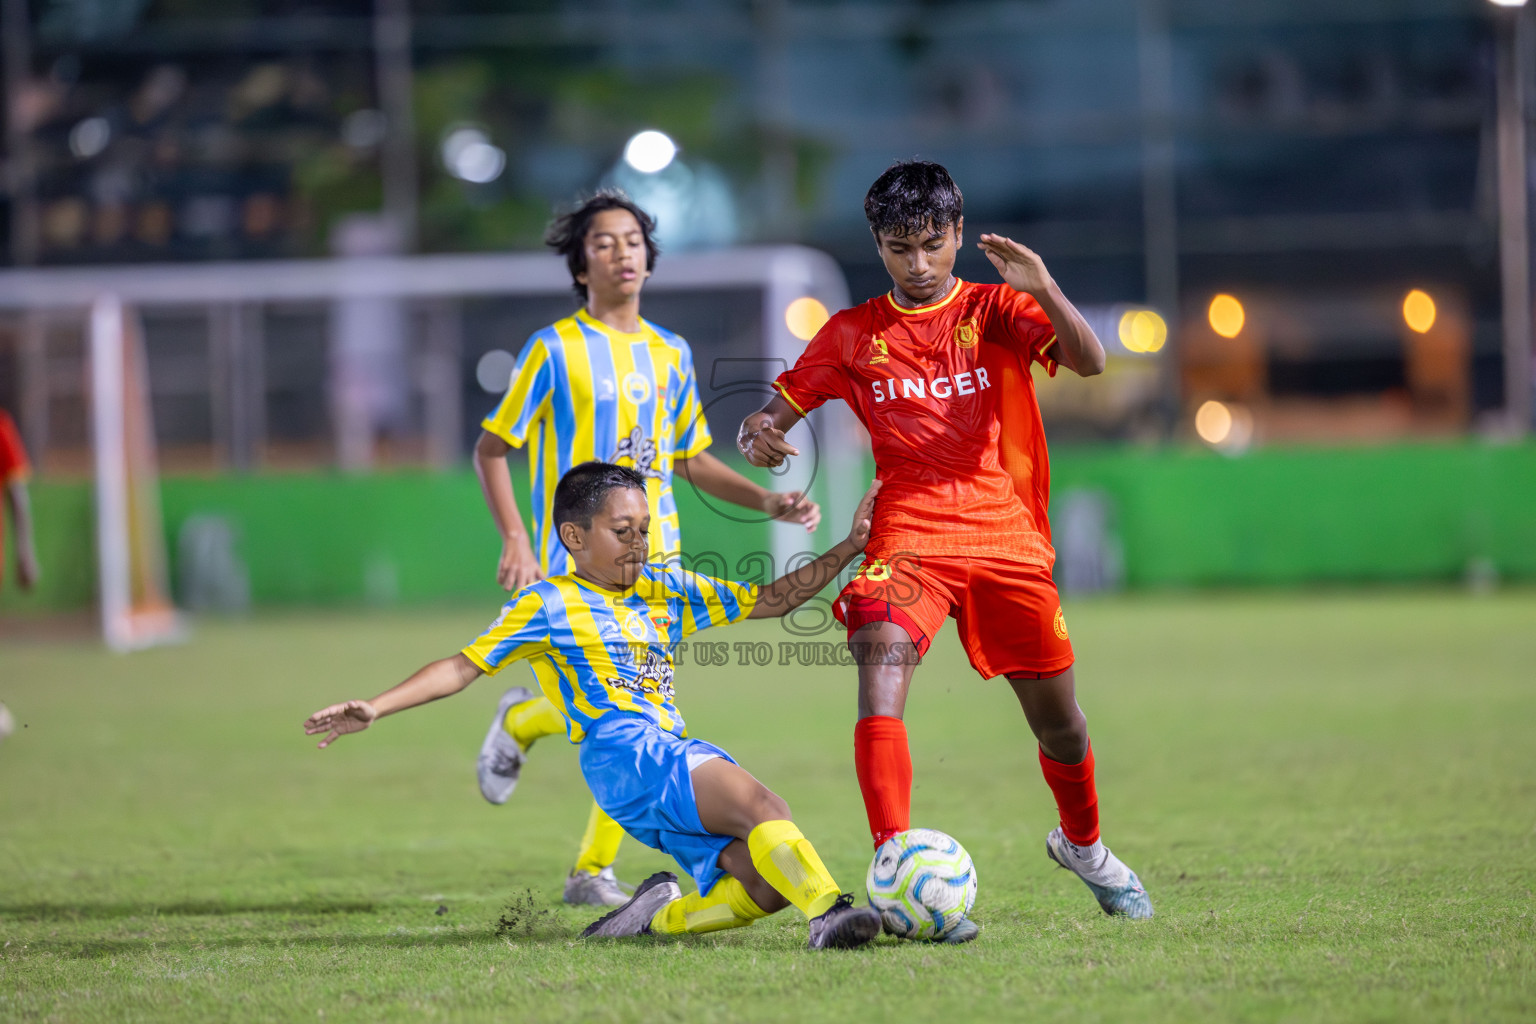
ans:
(340, 719)
(762, 443)
(793, 507)
(864, 517)
(1020, 266)
(518, 566)
(27, 571)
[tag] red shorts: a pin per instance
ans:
(1009, 614)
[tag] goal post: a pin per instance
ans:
(113, 300)
(136, 609)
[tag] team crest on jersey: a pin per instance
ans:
(1060, 624)
(634, 625)
(878, 352)
(640, 450)
(635, 387)
(875, 570)
(965, 333)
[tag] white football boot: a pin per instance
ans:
(501, 758)
(1114, 885)
(634, 917)
(599, 890)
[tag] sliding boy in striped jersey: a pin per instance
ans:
(938, 371)
(601, 384)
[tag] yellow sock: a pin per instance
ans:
(788, 862)
(532, 720)
(600, 842)
(727, 906)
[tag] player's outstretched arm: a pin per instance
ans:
(718, 480)
(1077, 347)
(518, 566)
(761, 437)
(789, 592)
(442, 678)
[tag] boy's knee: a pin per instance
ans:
(769, 806)
(1067, 741)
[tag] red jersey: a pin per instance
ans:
(13, 464)
(946, 395)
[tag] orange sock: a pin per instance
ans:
(1077, 799)
(884, 764)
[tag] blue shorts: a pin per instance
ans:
(640, 775)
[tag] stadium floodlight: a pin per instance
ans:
(1507, 3)
(1419, 311)
(650, 151)
(469, 156)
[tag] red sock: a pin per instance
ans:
(885, 774)
(1076, 798)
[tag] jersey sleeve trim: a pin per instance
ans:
(781, 389)
(479, 662)
(1048, 362)
(492, 427)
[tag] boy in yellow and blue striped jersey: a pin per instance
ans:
(601, 384)
(601, 640)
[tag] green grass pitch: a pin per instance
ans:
(1331, 799)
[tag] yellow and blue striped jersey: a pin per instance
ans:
(595, 650)
(582, 391)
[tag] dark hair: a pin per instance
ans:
(567, 233)
(582, 491)
(911, 195)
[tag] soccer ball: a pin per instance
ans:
(922, 882)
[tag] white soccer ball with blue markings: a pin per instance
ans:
(922, 882)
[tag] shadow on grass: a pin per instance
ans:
(194, 908)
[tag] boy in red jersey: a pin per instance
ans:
(938, 371)
(14, 472)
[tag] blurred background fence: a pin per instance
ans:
(1303, 229)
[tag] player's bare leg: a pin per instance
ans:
(886, 657)
(1066, 759)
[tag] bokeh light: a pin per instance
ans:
(1419, 311)
(1213, 422)
(650, 151)
(1227, 316)
(1142, 330)
(1225, 426)
(494, 371)
(804, 317)
(89, 137)
(469, 156)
